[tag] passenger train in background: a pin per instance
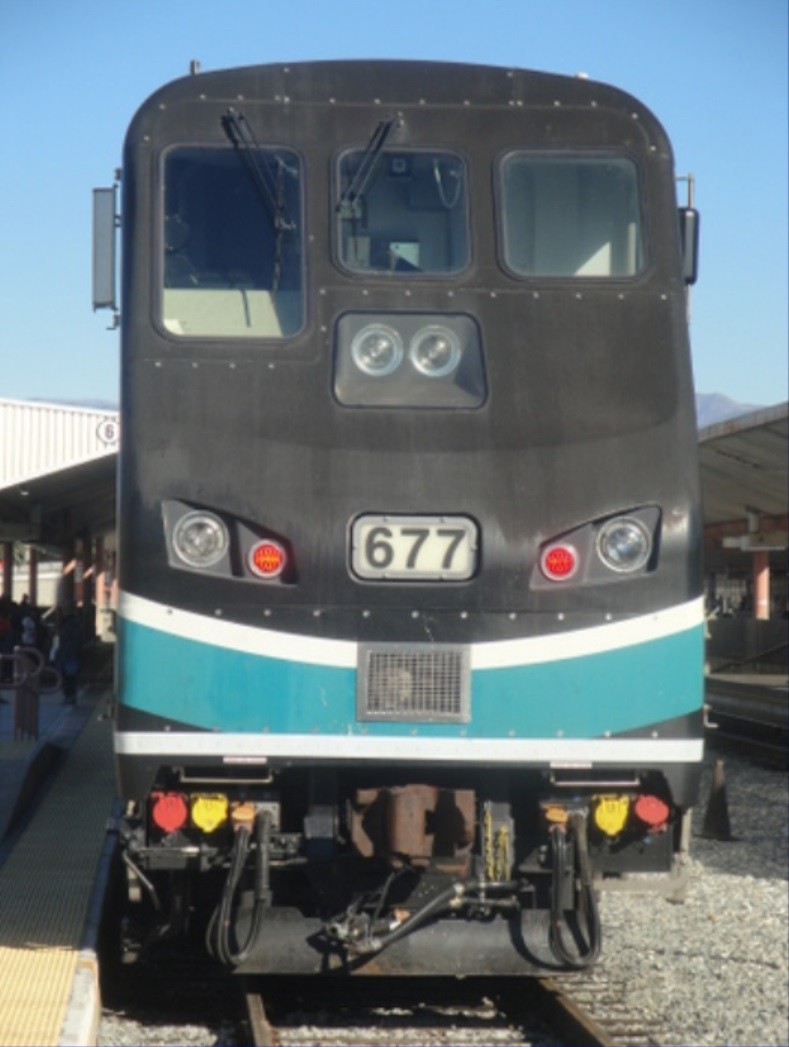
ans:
(410, 634)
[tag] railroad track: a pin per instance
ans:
(540, 1011)
(294, 1012)
(598, 1000)
(182, 996)
(262, 1032)
(183, 999)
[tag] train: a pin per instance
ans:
(410, 629)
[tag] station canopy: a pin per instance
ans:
(745, 489)
(57, 472)
(744, 466)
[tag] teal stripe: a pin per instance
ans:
(217, 689)
(224, 690)
(584, 697)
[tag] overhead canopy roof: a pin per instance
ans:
(57, 471)
(744, 466)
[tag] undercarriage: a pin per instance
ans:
(317, 870)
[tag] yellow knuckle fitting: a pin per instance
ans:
(610, 814)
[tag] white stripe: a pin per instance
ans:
(249, 639)
(496, 654)
(546, 751)
(578, 643)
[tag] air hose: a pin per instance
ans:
(358, 934)
(221, 927)
(586, 952)
(444, 900)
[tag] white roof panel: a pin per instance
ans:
(42, 438)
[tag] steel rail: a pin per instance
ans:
(262, 1032)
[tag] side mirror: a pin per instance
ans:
(689, 220)
(104, 225)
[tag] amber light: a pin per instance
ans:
(267, 559)
(559, 562)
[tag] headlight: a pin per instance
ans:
(377, 350)
(200, 539)
(624, 544)
(435, 351)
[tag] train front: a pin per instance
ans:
(410, 636)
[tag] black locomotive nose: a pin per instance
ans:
(409, 639)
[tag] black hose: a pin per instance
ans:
(588, 899)
(263, 859)
(221, 927)
(589, 950)
(436, 904)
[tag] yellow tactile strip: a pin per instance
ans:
(45, 887)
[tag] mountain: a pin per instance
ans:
(712, 408)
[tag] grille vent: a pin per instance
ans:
(419, 683)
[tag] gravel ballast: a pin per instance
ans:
(715, 969)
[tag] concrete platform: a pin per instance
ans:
(56, 798)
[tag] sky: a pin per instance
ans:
(73, 72)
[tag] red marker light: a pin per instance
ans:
(267, 559)
(169, 811)
(559, 562)
(652, 811)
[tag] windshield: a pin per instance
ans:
(409, 216)
(571, 216)
(232, 254)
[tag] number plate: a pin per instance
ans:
(441, 548)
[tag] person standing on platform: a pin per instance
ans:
(7, 639)
(29, 626)
(69, 654)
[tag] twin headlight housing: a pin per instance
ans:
(202, 540)
(378, 350)
(615, 546)
(408, 360)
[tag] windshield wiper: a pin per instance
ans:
(268, 185)
(349, 203)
